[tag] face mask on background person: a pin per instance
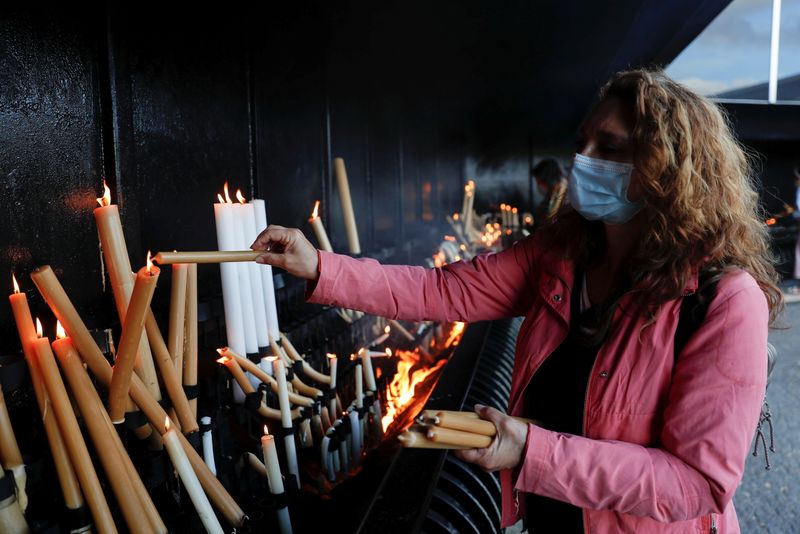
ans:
(598, 190)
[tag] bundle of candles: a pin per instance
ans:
(450, 430)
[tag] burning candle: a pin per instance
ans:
(246, 234)
(208, 444)
(55, 296)
(286, 417)
(347, 206)
(274, 478)
(177, 314)
(145, 285)
(181, 464)
(115, 254)
(469, 202)
(103, 436)
(515, 213)
(73, 439)
(234, 322)
(267, 283)
(263, 376)
(319, 229)
(190, 362)
(73, 498)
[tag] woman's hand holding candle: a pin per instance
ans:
(288, 249)
(506, 448)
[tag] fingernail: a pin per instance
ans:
(479, 406)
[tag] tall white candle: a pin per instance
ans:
(355, 429)
(208, 445)
(256, 282)
(266, 273)
(332, 359)
(245, 286)
(274, 478)
(286, 415)
(190, 481)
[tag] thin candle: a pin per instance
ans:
(274, 478)
(319, 229)
(238, 374)
(177, 314)
(347, 206)
(190, 362)
(190, 482)
(132, 329)
(286, 416)
(9, 452)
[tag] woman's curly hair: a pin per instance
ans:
(702, 213)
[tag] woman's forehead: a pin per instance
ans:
(610, 118)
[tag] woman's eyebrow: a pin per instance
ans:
(606, 135)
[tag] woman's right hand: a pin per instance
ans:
(288, 249)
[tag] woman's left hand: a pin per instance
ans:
(507, 447)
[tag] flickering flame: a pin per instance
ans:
(361, 351)
(388, 351)
(227, 194)
(149, 263)
(449, 238)
(771, 221)
(469, 189)
(315, 213)
(221, 200)
(105, 200)
(439, 259)
(166, 423)
(455, 334)
(528, 220)
(387, 329)
(224, 359)
(272, 359)
(60, 333)
(400, 393)
(331, 356)
(456, 216)
(39, 329)
(352, 357)
(503, 207)
(514, 210)
(266, 430)
(16, 285)
(240, 197)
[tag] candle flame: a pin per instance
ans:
(166, 423)
(224, 359)
(266, 430)
(16, 285)
(227, 194)
(60, 333)
(240, 197)
(771, 221)
(149, 263)
(105, 200)
(315, 213)
(39, 330)
(361, 351)
(388, 351)
(449, 238)
(455, 216)
(352, 357)
(331, 356)
(272, 358)
(514, 210)
(221, 200)
(387, 329)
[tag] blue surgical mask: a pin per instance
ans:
(598, 190)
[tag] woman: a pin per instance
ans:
(633, 439)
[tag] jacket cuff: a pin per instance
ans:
(536, 462)
(320, 291)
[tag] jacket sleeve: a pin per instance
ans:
(490, 286)
(709, 422)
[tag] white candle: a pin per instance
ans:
(266, 365)
(248, 220)
(332, 359)
(355, 430)
(325, 459)
(245, 286)
(266, 273)
(190, 481)
(286, 416)
(234, 325)
(274, 478)
(366, 363)
(208, 445)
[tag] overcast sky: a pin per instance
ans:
(733, 51)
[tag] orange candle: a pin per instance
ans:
(115, 254)
(177, 314)
(102, 436)
(9, 452)
(190, 344)
(233, 366)
(143, 290)
(55, 296)
(73, 498)
(73, 439)
(11, 519)
(319, 229)
(259, 373)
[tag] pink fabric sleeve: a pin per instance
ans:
(709, 422)
(490, 286)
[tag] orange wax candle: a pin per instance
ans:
(115, 254)
(9, 452)
(103, 437)
(190, 344)
(48, 285)
(177, 314)
(319, 229)
(73, 439)
(143, 290)
(73, 498)
(238, 374)
(259, 373)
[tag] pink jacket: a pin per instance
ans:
(664, 444)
